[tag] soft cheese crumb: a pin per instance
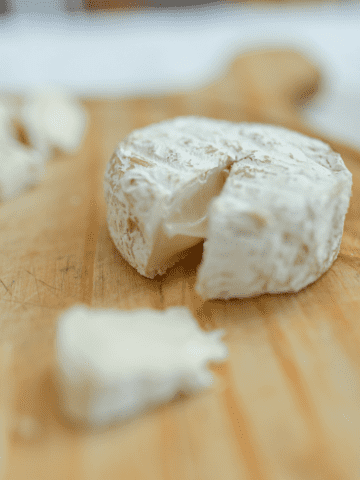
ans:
(49, 119)
(53, 118)
(114, 364)
(20, 166)
(270, 202)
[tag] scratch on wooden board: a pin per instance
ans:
(6, 359)
(7, 287)
(24, 303)
(102, 281)
(68, 266)
(161, 292)
(65, 270)
(36, 285)
(42, 281)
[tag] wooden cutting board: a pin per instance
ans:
(286, 405)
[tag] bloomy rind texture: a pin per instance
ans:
(114, 364)
(270, 202)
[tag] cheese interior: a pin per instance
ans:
(190, 212)
(187, 222)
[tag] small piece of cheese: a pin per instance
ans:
(49, 119)
(270, 202)
(114, 364)
(20, 166)
(53, 119)
(5, 119)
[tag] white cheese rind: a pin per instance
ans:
(114, 364)
(270, 202)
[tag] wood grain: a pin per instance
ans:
(285, 405)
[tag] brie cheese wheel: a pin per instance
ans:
(270, 202)
(114, 364)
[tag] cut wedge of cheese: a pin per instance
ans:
(270, 203)
(278, 223)
(114, 364)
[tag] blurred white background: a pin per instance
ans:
(127, 52)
